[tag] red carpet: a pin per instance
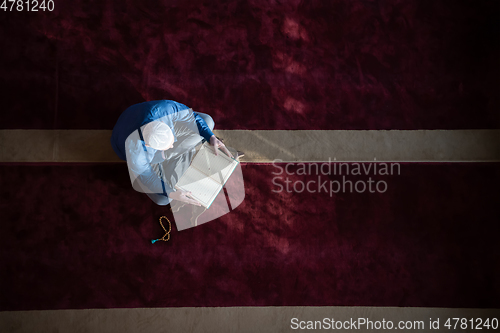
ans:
(255, 65)
(77, 236)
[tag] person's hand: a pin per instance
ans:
(218, 144)
(181, 195)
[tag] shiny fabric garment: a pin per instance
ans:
(189, 129)
(141, 114)
(178, 158)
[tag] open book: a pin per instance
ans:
(207, 174)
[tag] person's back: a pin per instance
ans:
(138, 115)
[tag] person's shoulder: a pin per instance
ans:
(170, 106)
(136, 155)
(162, 109)
(133, 144)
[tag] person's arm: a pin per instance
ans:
(203, 128)
(142, 175)
(184, 197)
(145, 180)
(148, 181)
(214, 141)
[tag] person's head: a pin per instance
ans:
(158, 135)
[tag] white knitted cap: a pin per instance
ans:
(158, 135)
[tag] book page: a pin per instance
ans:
(218, 167)
(203, 188)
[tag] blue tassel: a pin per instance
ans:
(154, 241)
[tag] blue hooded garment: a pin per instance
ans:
(129, 145)
(141, 114)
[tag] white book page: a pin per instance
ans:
(218, 167)
(203, 188)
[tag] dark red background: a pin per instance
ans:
(79, 237)
(259, 64)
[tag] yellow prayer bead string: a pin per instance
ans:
(167, 233)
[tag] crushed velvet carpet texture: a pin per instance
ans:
(255, 64)
(77, 236)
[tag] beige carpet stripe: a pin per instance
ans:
(265, 146)
(226, 319)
